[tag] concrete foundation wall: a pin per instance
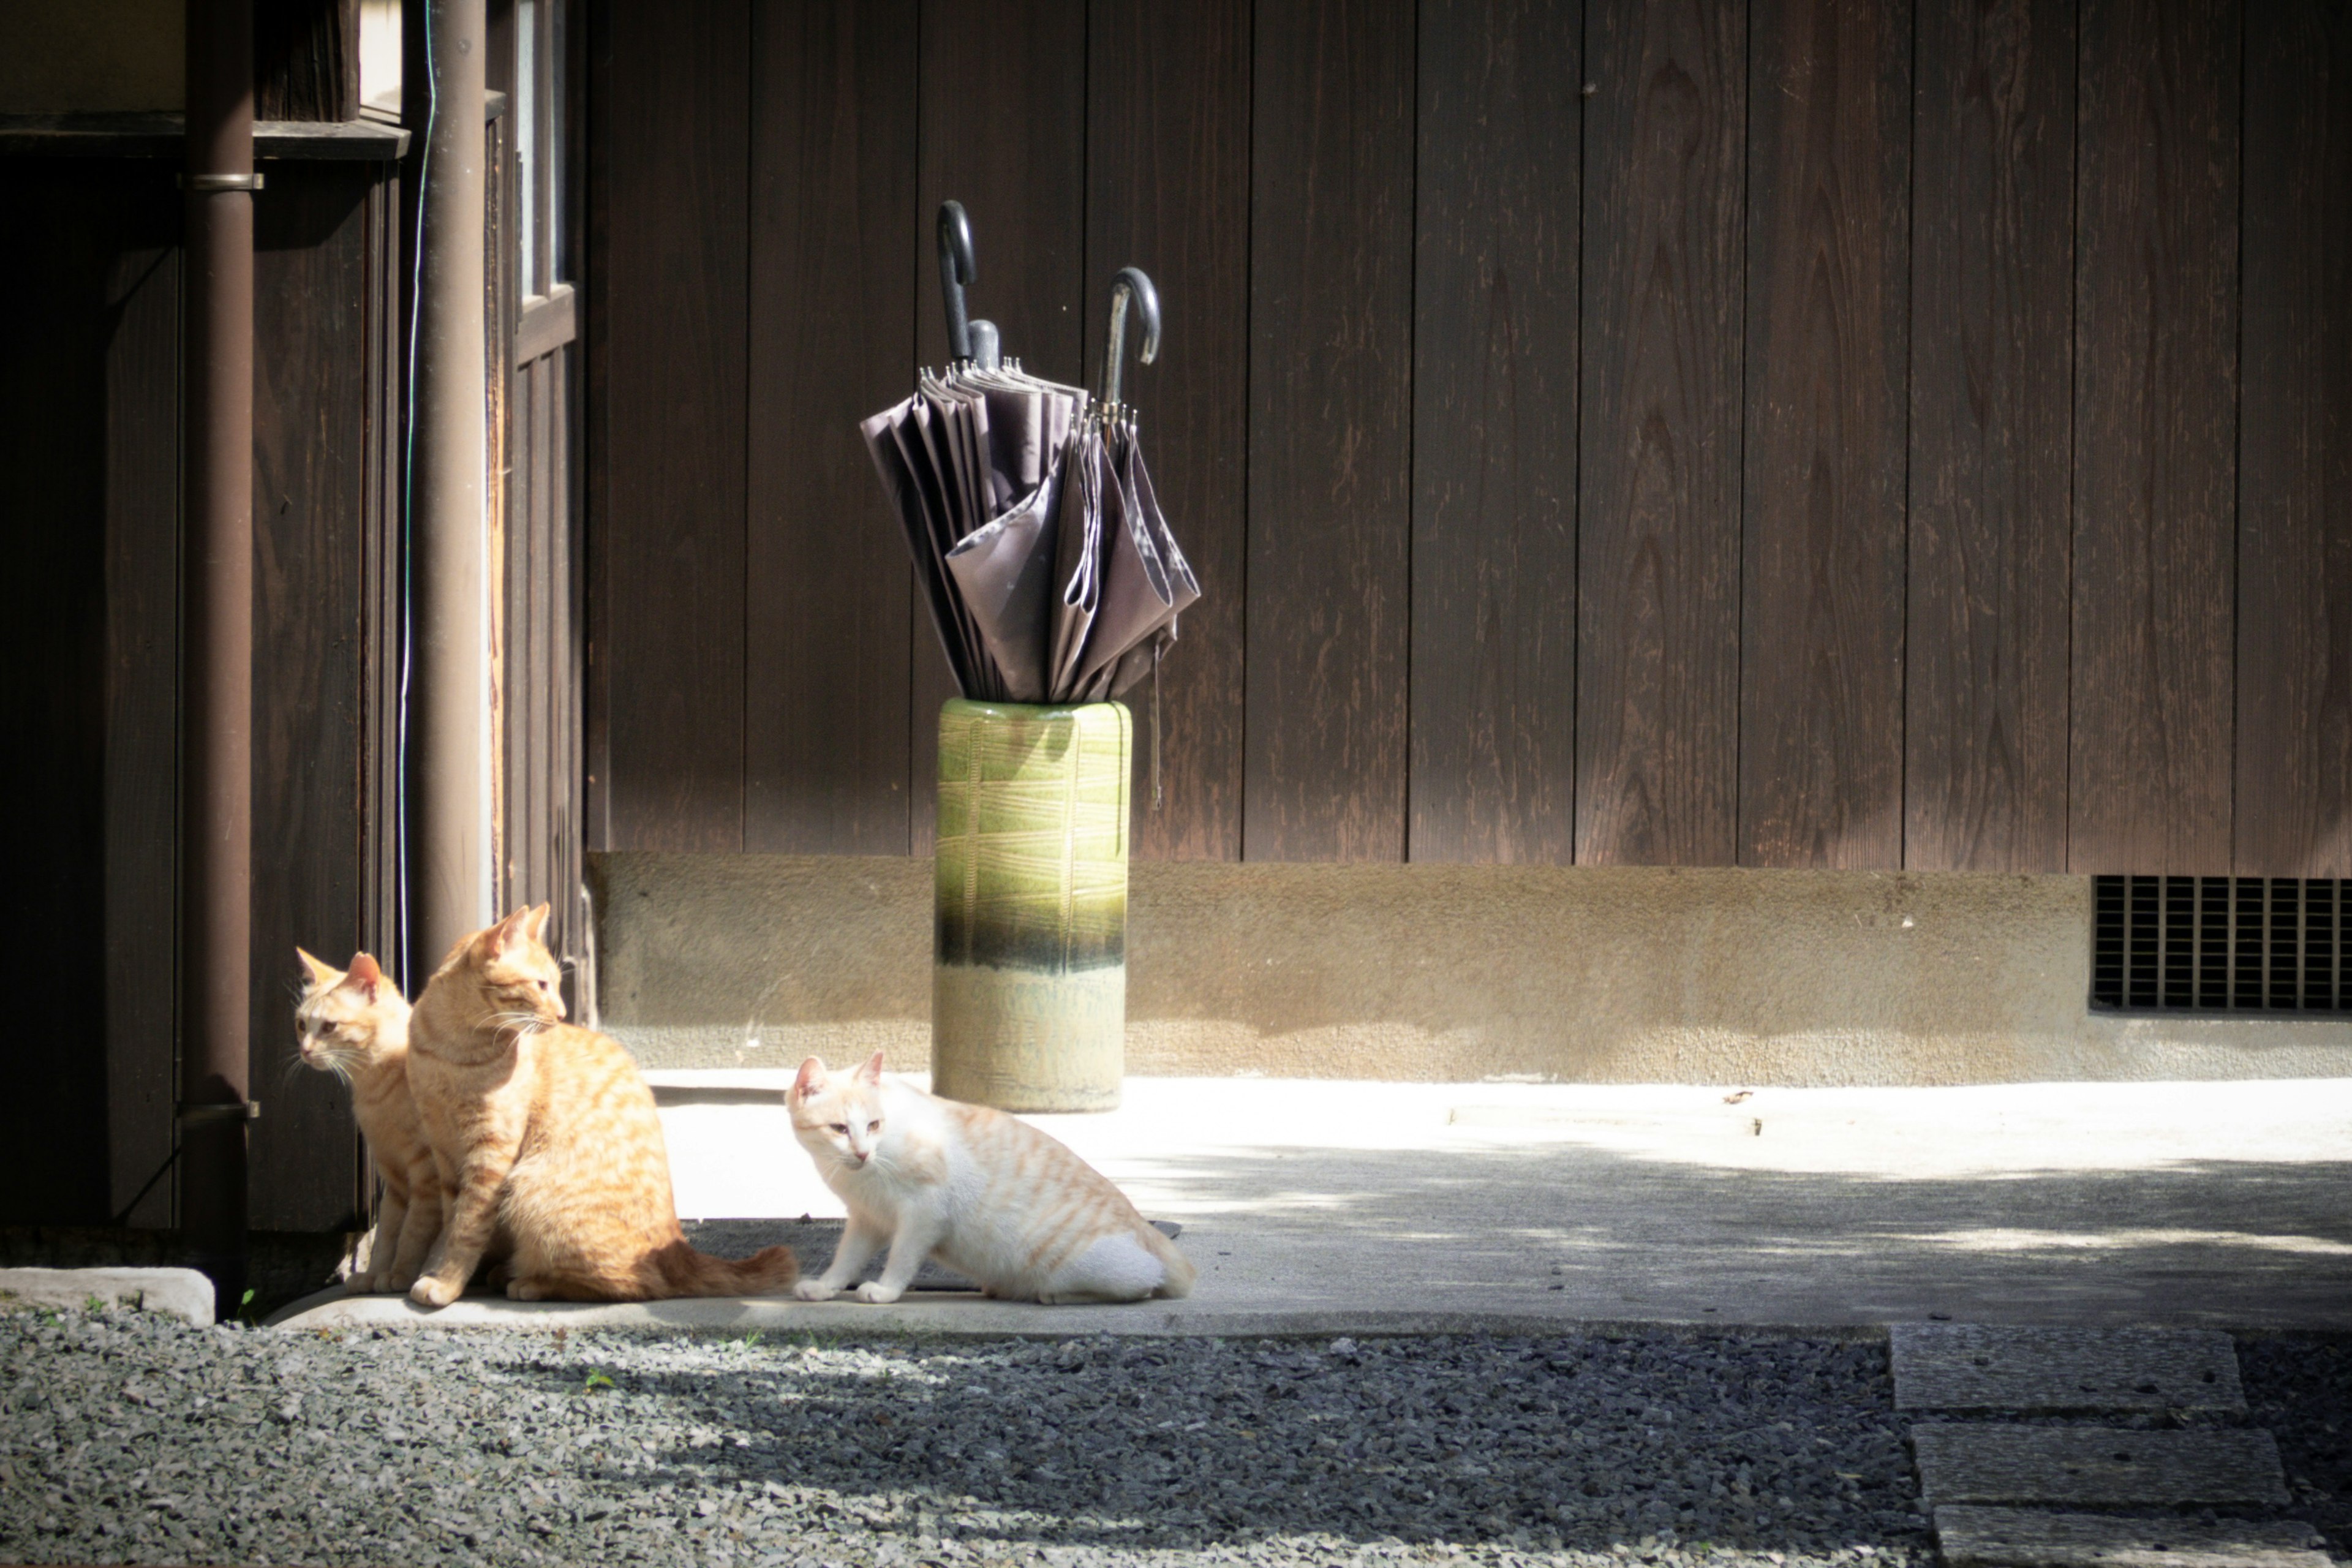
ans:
(1440, 973)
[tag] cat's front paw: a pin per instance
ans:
(396, 1283)
(434, 1291)
(519, 1289)
(875, 1291)
(815, 1290)
(360, 1284)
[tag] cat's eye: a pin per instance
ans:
(874, 1127)
(842, 1128)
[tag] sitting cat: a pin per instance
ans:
(990, 1197)
(354, 1024)
(546, 1130)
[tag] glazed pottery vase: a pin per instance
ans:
(1029, 954)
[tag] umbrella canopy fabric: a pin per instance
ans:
(1049, 570)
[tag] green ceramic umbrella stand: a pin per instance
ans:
(1029, 966)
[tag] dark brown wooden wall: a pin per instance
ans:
(1804, 433)
(89, 473)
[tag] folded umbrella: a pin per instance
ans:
(1049, 567)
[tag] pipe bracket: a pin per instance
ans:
(203, 184)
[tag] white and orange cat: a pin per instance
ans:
(990, 1197)
(546, 1131)
(354, 1024)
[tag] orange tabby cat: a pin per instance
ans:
(547, 1129)
(354, 1024)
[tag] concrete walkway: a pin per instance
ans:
(1318, 1206)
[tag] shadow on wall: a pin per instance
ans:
(1438, 973)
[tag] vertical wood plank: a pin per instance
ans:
(2155, 437)
(2293, 809)
(141, 746)
(1657, 710)
(834, 118)
(54, 329)
(1991, 436)
(1167, 190)
(551, 679)
(305, 59)
(1003, 131)
(675, 108)
(1495, 604)
(591, 228)
(311, 244)
(1332, 213)
(570, 662)
(1820, 749)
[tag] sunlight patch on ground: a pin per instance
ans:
(1206, 1145)
(2002, 1240)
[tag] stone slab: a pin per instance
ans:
(965, 1315)
(183, 1292)
(1980, 1366)
(2097, 1467)
(1973, 1537)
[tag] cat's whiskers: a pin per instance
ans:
(516, 1026)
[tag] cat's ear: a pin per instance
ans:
(320, 973)
(507, 935)
(810, 1079)
(872, 1071)
(365, 974)
(539, 920)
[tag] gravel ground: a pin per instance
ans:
(2302, 1391)
(128, 1437)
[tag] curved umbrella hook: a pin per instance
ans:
(956, 269)
(1132, 284)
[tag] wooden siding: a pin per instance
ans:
(1991, 435)
(2294, 814)
(89, 477)
(1792, 433)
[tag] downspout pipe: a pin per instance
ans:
(449, 804)
(216, 764)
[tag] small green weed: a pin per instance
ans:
(594, 1380)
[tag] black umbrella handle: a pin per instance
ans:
(1131, 284)
(956, 269)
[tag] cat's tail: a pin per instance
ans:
(1178, 1280)
(686, 1272)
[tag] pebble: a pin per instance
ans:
(129, 1436)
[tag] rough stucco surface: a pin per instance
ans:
(1441, 974)
(91, 55)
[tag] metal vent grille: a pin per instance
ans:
(2222, 944)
